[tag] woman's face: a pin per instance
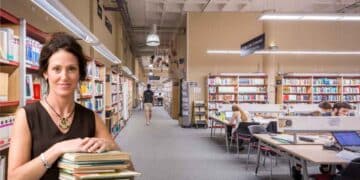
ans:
(62, 73)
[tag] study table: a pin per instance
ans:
(214, 120)
(302, 152)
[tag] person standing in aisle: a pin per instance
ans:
(160, 99)
(43, 131)
(148, 103)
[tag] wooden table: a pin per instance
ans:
(314, 154)
(302, 151)
(223, 122)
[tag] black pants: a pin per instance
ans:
(229, 131)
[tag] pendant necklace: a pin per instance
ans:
(63, 122)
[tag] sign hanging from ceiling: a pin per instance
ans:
(255, 44)
(154, 77)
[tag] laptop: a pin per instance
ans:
(348, 140)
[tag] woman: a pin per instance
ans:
(45, 130)
(238, 116)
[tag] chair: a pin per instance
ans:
(272, 127)
(351, 171)
(242, 133)
(259, 129)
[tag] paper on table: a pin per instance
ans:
(347, 155)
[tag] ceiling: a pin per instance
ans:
(169, 15)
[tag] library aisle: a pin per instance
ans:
(166, 151)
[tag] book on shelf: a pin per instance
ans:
(29, 93)
(33, 49)
(351, 90)
(297, 81)
(7, 43)
(37, 88)
(296, 90)
(99, 104)
(225, 89)
(86, 88)
(296, 97)
(6, 122)
(252, 98)
(4, 79)
(2, 167)
(325, 81)
(251, 89)
(251, 81)
(325, 90)
(351, 81)
(87, 103)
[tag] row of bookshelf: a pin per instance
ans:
(315, 88)
(244, 89)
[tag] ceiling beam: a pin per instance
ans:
(180, 22)
(163, 12)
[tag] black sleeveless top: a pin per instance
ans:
(45, 133)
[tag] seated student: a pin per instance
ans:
(238, 116)
(326, 108)
(341, 109)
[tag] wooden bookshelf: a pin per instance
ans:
(314, 88)
(236, 88)
(113, 103)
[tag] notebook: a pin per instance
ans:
(349, 140)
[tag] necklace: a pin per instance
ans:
(63, 122)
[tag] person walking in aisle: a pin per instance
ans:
(148, 103)
(45, 130)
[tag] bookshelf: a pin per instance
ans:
(317, 87)
(20, 45)
(167, 96)
(199, 117)
(92, 91)
(113, 101)
(236, 88)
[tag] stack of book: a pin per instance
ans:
(107, 165)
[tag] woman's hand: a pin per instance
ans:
(73, 145)
(96, 145)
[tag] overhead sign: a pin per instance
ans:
(154, 77)
(257, 43)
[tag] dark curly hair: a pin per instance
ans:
(62, 41)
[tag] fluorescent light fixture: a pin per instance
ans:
(223, 51)
(126, 70)
(135, 78)
(279, 52)
(151, 73)
(310, 17)
(100, 48)
(60, 13)
(279, 17)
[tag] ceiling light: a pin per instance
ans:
(310, 17)
(100, 48)
(151, 66)
(126, 70)
(151, 73)
(279, 52)
(153, 39)
(223, 51)
(60, 13)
